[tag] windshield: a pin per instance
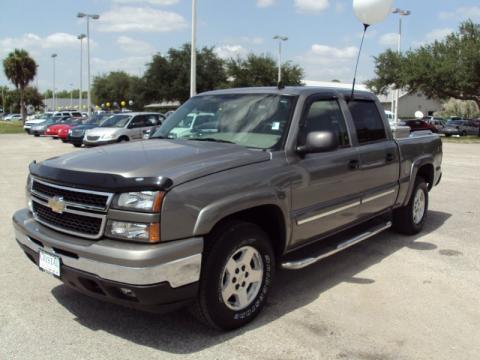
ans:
(116, 121)
(251, 120)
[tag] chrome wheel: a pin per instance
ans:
(419, 206)
(242, 278)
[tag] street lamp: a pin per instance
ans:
(193, 51)
(280, 39)
(400, 13)
(93, 17)
(54, 100)
(81, 37)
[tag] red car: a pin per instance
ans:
(419, 125)
(60, 130)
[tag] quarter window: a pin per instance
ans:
(325, 115)
(367, 120)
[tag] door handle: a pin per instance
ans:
(353, 164)
(390, 157)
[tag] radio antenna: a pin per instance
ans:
(365, 27)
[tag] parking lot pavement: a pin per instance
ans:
(391, 297)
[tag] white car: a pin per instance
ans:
(122, 127)
(12, 117)
(194, 122)
(39, 119)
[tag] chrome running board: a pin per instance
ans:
(302, 263)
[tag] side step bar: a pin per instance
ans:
(302, 263)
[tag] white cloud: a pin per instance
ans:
(152, 2)
(472, 12)
(265, 3)
(323, 62)
(230, 51)
(134, 65)
(438, 34)
(134, 46)
(432, 36)
(138, 19)
(35, 43)
(389, 39)
(247, 40)
(311, 5)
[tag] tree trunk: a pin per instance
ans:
(22, 106)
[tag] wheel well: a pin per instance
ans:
(123, 137)
(269, 218)
(427, 173)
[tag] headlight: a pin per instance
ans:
(149, 233)
(148, 201)
(29, 183)
(108, 136)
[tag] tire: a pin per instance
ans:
(464, 133)
(36, 135)
(223, 272)
(77, 145)
(122, 139)
(448, 135)
(409, 219)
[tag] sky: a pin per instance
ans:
(324, 35)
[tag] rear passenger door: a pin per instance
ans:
(379, 168)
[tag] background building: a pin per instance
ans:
(64, 103)
(408, 104)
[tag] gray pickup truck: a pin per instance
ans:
(279, 178)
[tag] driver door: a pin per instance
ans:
(325, 197)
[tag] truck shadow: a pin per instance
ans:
(180, 333)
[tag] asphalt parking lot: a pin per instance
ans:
(391, 297)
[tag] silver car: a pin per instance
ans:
(122, 127)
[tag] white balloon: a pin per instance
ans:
(372, 12)
(419, 114)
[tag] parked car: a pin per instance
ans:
(12, 117)
(64, 129)
(77, 133)
(37, 120)
(122, 127)
(193, 121)
(60, 123)
(40, 128)
(290, 177)
(458, 126)
(436, 121)
(419, 125)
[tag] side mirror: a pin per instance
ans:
(319, 141)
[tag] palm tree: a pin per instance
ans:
(20, 69)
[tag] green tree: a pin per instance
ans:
(20, 69)
(258, 70)
(444, 69)
(31, 97)
(116, 87)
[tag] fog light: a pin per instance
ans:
(127, 292)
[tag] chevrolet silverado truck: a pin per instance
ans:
(281, 179)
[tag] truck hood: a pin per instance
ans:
(155, 163)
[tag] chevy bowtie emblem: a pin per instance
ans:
(57, 204)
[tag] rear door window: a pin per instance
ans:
(367, 120)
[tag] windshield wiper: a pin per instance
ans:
(212, 140)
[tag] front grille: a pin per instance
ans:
(68, 222)
(77, 133)
(72, 196)
(93, 138)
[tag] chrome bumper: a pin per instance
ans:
(176, 262)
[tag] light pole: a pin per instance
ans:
(280, 39)
(93, 17)
(401, 13)
(71, 96)
(54, 100)
(193, 51)
(81, 37)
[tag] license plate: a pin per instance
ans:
(49, 263)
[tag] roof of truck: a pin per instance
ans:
(294, 90)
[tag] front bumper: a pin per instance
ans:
(98, 142)
(158, 275)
